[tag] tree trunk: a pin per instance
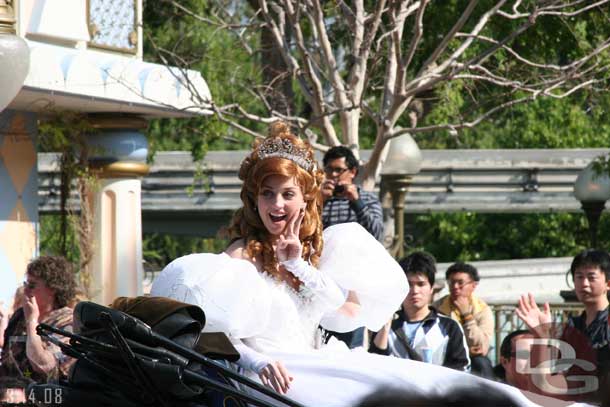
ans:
(276, 78)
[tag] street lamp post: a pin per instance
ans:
(592, 190)
(403, 161)
(14, 56)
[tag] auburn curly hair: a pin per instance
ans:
(247, 224)
(58, 274)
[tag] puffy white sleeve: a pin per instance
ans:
(320, 284)
(356, 261)
(230, 291)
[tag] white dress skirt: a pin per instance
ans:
(272, 319)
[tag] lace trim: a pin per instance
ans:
(303, 294)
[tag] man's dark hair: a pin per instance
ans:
(460, 267)
(594, 258)
(506, 349)
(341, 152)
(420, 262)
(58, 275)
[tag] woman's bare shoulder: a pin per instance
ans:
(237, 250)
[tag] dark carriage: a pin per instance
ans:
(124, 361)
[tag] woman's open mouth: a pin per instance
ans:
(277, 218)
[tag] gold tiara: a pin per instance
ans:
(283, 148)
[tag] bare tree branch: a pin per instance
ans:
(418, 31)
(554, 10)
(449, 36)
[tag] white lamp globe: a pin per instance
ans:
(590, 186)
(404, 157)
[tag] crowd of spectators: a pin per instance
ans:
(453, 331)
(457, 330)
(562, 360)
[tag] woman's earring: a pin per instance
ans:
(256, 209)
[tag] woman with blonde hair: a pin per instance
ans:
(281, 277)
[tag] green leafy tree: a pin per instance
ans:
(455, 74)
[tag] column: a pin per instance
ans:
(18, 199)
(119, 151)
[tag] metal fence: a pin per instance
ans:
(506, 321)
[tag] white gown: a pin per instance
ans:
(274, 320)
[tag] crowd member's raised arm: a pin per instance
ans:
(539, 324)
(379, 345)
(42, 359)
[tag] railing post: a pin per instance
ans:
(497, 332)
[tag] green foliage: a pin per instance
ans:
(578, 121)
(159, 250)
(471, 236)
(65, 133)
(575, 122)
(179, 39)
(51, 239)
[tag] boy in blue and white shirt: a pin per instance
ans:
(417, 331)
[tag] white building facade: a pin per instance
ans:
(86, 57)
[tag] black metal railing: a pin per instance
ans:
(506, 321)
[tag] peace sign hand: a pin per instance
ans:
(289, 245)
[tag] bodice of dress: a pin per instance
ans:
(293, 324)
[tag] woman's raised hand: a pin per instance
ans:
(289, 245)
(30, 310)
(276, 376)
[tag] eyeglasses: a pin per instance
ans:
(29, 284)
(334, 170)
(459, 283)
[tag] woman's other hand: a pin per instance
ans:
(276, 376)
(30, 310)
(289, 246)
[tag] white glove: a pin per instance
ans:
(250, 359)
